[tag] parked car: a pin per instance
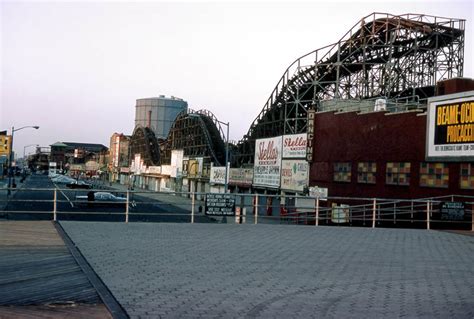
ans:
(79, 184)
(103, 199)
(62, 179)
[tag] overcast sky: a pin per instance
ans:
(76, 68)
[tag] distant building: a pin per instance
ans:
(158, 113)
(118, 155)
(79, 158)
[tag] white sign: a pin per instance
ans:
(295, 145)
(267, 165)
(154, 170)
(166, 170)
(450, 127)
(294, 175)
(176, 162)
(217, 175)
(321, 192)
(137, 166)
(241, 176)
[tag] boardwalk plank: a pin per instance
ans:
(37, 271)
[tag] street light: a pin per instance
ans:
(226, 147)
(10, 169)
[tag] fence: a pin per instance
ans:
(447, 212)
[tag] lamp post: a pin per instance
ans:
(226, 147)
(10, 161)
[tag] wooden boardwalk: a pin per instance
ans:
(39, 277)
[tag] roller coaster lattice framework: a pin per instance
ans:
(383, 55)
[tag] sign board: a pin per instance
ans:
(452, 210)
(450, 127)
(217, 175)
(76, 167)
(321, 192)
(124, 170)
(310, 135)
(294, 175)
(220, 204)
(241, 176)
(194, 167)
(267, 165)
(154, 170)
(295, 145)
(176, 162)
(166, 170)
(138, 167)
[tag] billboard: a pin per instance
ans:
(267, 165)
(295, 145)
(294, 175)
(241, 176)
(217, 175)
(219, 204)
(450, 127)
(176, 162)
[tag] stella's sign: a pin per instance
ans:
(267, 162)
(267, 151)
(294, 146)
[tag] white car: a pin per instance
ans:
(62, 179)
(104, 199)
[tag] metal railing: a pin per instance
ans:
(189, 207)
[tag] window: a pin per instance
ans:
(366, 172)
(434, 175)
(467, 176)
(342, 172)
(398, 173)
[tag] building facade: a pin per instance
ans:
(386, 155)
(80, 158)
(118, 155)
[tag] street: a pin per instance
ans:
(34, 200)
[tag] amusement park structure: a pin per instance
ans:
(198, 134)
(395, 58)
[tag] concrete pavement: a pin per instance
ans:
(280, 271)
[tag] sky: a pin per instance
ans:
(76, 68)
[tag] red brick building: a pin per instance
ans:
(383, 154)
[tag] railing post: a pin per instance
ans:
(394, 212)
(472, 217)
(317, 211)
(256, 209)
(55, 204)
(374, 208)
(126, 206)
(428, 215)
(192, 208)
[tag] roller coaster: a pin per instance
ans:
(394, 57)
(198, 134)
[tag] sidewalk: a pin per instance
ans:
(261, 271)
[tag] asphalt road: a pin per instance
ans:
(33, 200)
